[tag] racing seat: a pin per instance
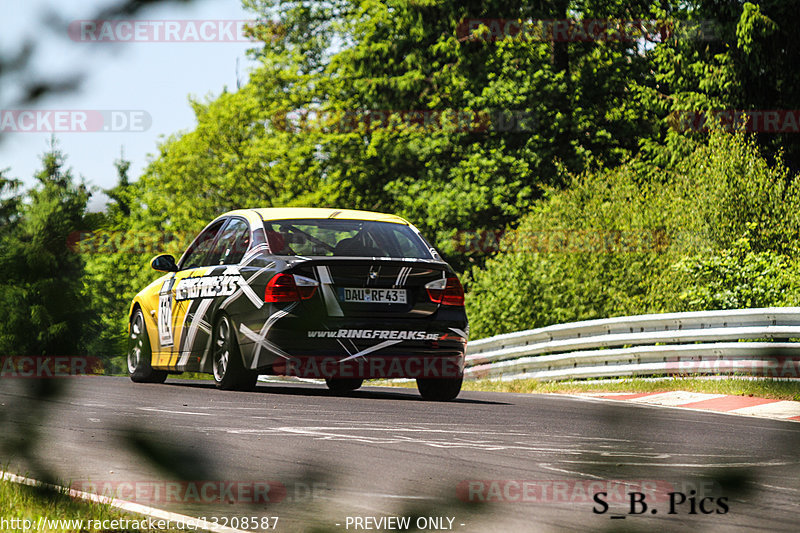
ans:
(353, 247)
(277, 243)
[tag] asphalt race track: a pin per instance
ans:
(383, 452)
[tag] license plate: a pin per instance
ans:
(374, 296)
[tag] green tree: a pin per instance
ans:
(115, 264)
(9, 202)
(325, 118)
(42, 285)
(718, 229)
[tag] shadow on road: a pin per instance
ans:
(312, 389)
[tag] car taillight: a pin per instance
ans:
(289, 288)
(446, 291)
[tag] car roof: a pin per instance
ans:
(286, 213)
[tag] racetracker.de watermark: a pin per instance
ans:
(372, 367)
(752, 121)
(203, 491)
(49, 366)
(428, 120)
(132, 242)
(583, 30)
(74, 120)
(767, 367)
(559, 490)
(561, 241)
(160, 31)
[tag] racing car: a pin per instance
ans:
(339, 295)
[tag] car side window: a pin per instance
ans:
(232, 244)
(195, 256)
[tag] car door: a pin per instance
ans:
(217, 280)
(175, 295)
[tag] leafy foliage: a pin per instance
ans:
(737, 278)
(577, 147)
(718, 230)
(42, 287)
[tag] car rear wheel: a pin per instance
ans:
(439, 389)
(139, 353)
(343, 384)
(229, 371)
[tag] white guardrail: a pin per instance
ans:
(697, 343)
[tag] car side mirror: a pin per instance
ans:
(164, 263)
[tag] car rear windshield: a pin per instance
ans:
(349, 238)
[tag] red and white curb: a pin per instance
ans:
(737, 405)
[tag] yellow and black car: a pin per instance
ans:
(339, 295)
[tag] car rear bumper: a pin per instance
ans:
(357, 348)
(371, 367)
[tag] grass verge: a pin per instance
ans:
(50, 511)
(760, 388)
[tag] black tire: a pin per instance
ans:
(439, 389)
(139, 353)
(227, 366)
(343, 384)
